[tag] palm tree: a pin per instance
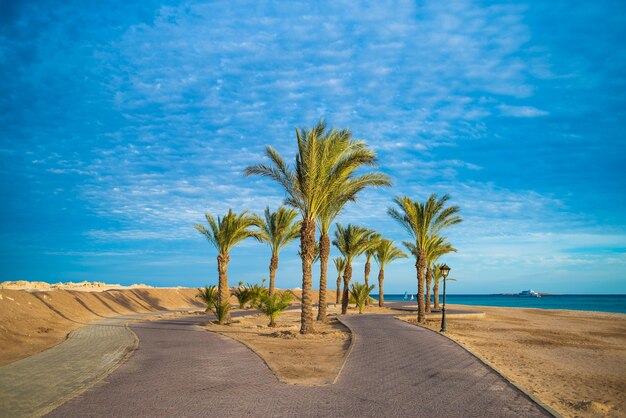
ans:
(325, 163)
(384, 254)
(208, 296)
(436, 249)
(369, 253)
(274, 305)
(360, 294)
(351, 242)
(423, 221)
(278, 230)
(224, 234)
(340, 265)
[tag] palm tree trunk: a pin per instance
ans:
(436, 294)
(421, 307)
(367, 279)
(307, 251)
(324, 253)
(347, 275)
(338, 289)
(273, 268)
(381, 295)
(223, 291)
(429, 279)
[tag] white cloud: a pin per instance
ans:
(521, 111)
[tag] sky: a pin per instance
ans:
(122, 123)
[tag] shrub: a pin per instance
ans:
(257, 293)
(360, 293)
(243, 296)
(208, 296)
(274, 305)
(221, 311)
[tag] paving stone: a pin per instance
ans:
(394, 369)
(36, 384)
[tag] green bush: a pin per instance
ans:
(221, 311)
(257, 293)
(208, 296)
(243, 296)
(360, 293)
(274, 305)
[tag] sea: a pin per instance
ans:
(599, 303)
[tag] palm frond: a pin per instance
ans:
(386, 252)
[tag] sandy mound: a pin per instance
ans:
(84, 285)
(31, 321)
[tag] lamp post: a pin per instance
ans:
(444, 273)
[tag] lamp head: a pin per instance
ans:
(445, 270)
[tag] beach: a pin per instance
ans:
(572, 361)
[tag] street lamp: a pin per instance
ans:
(444, 273)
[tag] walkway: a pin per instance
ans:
(37, 384)
(394, 369)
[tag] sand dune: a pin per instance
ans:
(37, 315)
(31, 321)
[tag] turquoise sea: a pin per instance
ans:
(601, 303)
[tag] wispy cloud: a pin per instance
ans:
(124, 124)
(521, 111)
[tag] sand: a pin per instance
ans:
(81, 286)
(35, 316)
(32, 321)
(573, 361)
(311, 360)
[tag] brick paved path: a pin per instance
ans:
(36, 384)
(394, 369)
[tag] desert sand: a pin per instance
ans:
(35, 316)
(573, 361)
(34, 320)
(82, 286)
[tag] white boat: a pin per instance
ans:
(528, 294)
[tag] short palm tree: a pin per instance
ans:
(274, 305)
(385, 253)
(436, 248)
(360, 294)
(278, 229)
(243, 295)
(423, 221)
(224, 233)
(256, 293)
(351, 241)
(340, 265)
(208, 296)
(325, 162)
(369, 253)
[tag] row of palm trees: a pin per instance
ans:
(318, 185)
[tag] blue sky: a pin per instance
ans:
(123, 122)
